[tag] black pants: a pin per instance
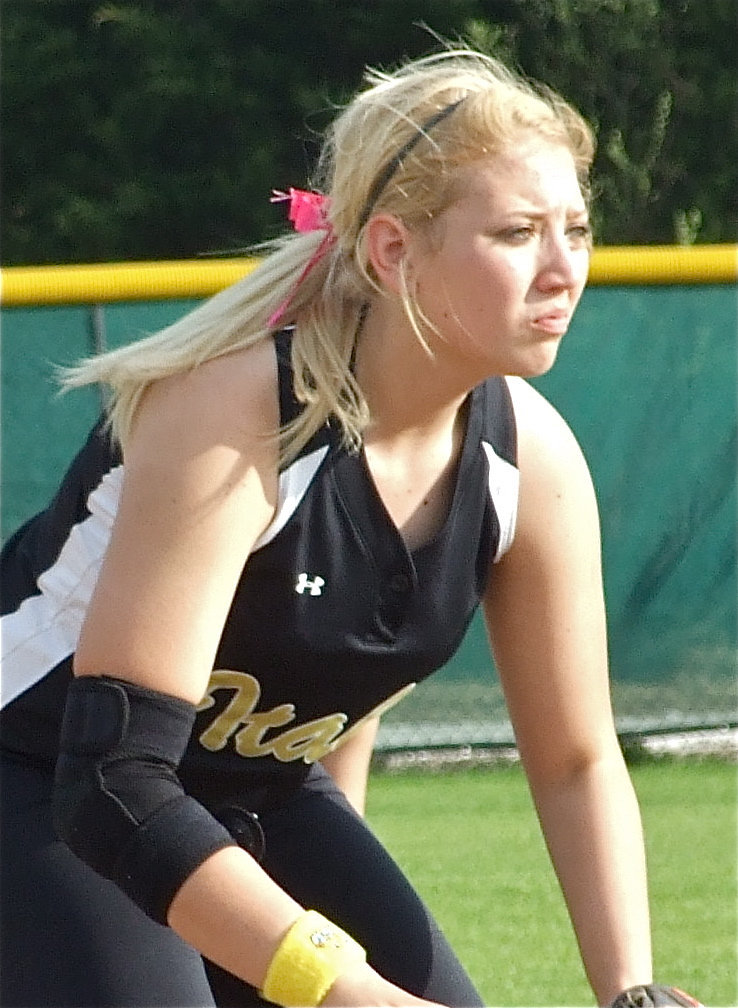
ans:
(70, 938)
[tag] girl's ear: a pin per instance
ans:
(387, 244)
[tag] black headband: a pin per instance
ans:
(391, 167)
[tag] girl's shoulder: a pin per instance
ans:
(554, 475)
(231, 400)
(539, 424)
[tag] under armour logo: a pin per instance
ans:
(305, 584)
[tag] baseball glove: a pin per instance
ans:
(654, 996)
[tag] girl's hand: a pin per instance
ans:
(362, 986)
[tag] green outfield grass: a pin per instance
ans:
(470, 842)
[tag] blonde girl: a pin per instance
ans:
(302, 492)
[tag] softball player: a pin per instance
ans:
(303, 491)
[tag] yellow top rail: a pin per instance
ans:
(197, 278)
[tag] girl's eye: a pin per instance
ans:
(580, 234)
(518, 235)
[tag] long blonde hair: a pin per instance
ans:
(388, 150)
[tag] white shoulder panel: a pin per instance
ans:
(45, 629)
(293, 483)
(504, 487)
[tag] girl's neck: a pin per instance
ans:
(413, 396)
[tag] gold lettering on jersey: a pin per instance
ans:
(240, 713)
(311, 741)
(240, 721)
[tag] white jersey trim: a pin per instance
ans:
(504, 489)
(293, 484)
(45, 629)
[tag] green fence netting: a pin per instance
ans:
(647, 380)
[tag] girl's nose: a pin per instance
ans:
(560, 264)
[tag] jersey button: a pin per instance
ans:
(399, 583)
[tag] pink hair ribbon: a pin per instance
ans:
(308, 212)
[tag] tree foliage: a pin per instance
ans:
(157, 128)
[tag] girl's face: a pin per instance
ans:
(507, 261)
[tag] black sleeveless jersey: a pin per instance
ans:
(333, 619)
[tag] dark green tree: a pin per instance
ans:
(657, 80)
(157, 128)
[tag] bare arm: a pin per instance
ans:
(546, 617)
(200, 486)
(349, 763)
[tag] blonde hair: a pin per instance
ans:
(389, 150)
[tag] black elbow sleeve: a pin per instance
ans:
(118, 802)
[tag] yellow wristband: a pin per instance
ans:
(311, 956)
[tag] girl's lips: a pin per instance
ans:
(554, 323)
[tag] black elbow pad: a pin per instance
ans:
(118, 802)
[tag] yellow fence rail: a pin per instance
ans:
(102, 283)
